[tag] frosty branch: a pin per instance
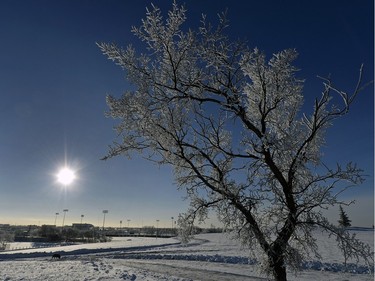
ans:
(229, 123)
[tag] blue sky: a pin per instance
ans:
(54, 79)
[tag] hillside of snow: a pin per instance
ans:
(207, 257)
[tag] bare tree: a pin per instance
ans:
(229, 123)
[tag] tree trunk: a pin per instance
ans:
(278, 268)
(279, 273)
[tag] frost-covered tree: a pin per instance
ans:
(228, 121)
(344, 220)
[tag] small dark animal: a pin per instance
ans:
(56, 256)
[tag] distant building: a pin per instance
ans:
(82, 226)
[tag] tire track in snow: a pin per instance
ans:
(191, 273)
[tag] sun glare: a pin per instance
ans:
(66, 176)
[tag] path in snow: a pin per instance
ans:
(188, 271)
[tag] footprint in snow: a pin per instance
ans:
(127, 276)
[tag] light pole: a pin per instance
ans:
(157, 228)
(65, 210)
(104, 212)
(172, 218)
(56, 214)
(120, 224)
(128, 223)
(82, 218)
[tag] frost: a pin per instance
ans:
(229, 122)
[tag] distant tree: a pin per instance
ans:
(344, 220)
(69, 234)
(50, 232)
(5, 238)
(228, 121)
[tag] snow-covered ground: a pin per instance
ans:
(208, 257)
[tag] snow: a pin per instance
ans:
(207, 257)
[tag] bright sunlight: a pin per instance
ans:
(66, 176)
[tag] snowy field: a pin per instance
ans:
(209, 257)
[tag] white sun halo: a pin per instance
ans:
(66, 176)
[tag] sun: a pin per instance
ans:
(66, 176)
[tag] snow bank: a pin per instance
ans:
(117, 244)
(133, 259)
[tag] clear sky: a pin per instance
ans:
(54, 79)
